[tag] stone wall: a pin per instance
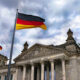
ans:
(67, 67)
(78, 63)
(72, 69)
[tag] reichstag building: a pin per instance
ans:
(45, 62)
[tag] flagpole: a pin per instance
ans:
(11, 51)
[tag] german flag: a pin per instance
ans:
(0, 47)
(29, 21)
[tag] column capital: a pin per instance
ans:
(32, 64)
(41, 62)
(62, 58)
(24, 65)
(51, 60)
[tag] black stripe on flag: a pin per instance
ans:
(30, 17)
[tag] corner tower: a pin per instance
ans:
(71, 45)
(70, 38)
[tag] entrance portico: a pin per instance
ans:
(46, 65)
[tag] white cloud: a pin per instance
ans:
(55, 19)
(54, 11)
(60, 3)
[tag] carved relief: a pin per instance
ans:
(38, 51)
(71, 48)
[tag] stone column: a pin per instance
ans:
(63, 69)
(52, 70)
(24, 72)
(19, 74)
(32, 72)
(42, 71)
(2, 77)
(47, 70)
(14, 76)
(17, 70)
(38, 73)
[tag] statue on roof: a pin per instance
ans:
(70, 38)
(25, 46)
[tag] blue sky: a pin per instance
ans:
(59, 15)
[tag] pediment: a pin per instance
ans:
(38, 50)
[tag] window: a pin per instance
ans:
(0, 77)
(5, 77)
(11, 77)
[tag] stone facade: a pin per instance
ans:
(3, 60)
(46, 62)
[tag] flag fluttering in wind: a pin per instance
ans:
(0, 47)
(25, 21)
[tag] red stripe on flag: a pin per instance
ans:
(19, 21)
(0, 47)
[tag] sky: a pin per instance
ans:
(59, 15)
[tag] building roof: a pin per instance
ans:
(70, 42)
(2, 56)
